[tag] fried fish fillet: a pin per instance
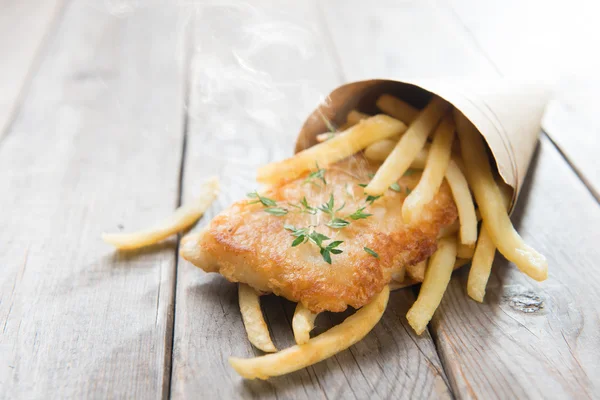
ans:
(247, 244)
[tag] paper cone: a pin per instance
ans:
(507, 113)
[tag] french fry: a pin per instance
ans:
(481, 265)
(489, 199)
(397, 108)
(353, 118)
(464, 203)
(467, 214)
(408, 281)
(399, 274)
(434, 285)
(379, 151)
(302, 323)
(461, 262)
(254, 321)
(465, 251)
(336, 339)
(321, 137)
(408, 147)
(343, 145)
(417, 271)
(449, 229)
(435, 169)
(456, 180)
(181, 219)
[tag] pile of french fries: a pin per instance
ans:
(445, 145)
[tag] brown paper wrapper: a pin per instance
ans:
(507, 113)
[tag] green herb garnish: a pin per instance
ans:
(370, 199)
(277, 211)
(330, 249)
(408, 190)
(338, 223)
(359, 214)
(395, 187)
(303, 235)
(267, 202)
(318, 174)
(260, 199)
(317, 238)
(327, 208)
(409, 172)
(371, 252)
(306, 208)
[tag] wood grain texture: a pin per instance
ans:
(400, 39)
(535, 48)
(256, 73)
(24, 28)
(529, 339)
(572, 123)
(496, 350)
(96, 147)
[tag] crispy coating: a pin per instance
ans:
(246, 244)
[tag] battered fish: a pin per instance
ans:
(251, 242)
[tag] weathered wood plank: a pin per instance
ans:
(95, 147)
(531, 48)
(572, 123)
(400, 39)
(494, 350)
(24, 27)
(257, 73)
(529, 339)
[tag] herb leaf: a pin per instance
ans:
(318, 174)
(264, 200)
(395, 187)
(307, 207)
(294, 231)
(363, 185)
(326, 256)
(327, 208)
(408, 190)
(334, 244)
(409, 172)
(371, 252)
(359, 214)
(299, 240)
(277, 211)
(338, 223)
(370, 199)
(303, 235)
(317, 238)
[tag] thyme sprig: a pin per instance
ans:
(269, 204)
(303, 235)
(319, 174)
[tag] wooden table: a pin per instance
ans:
(113, 112)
